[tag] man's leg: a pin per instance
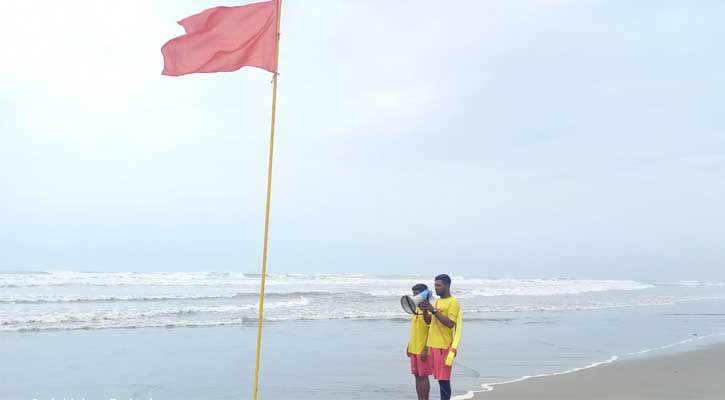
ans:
(442, 372)
(422, 387)
(445, 389)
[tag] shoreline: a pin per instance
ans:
(694, 373)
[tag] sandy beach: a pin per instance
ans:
(694, 374)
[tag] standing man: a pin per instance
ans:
(445, 312)
(420, 363)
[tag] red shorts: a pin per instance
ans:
(419, 367)
(441, 371)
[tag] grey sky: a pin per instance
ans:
(489, 138)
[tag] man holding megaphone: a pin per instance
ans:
(442, 343)
(420, 364)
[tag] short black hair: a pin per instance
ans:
(420, 287)
(444, 278)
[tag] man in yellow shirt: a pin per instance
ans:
(445, 312)
(420, 364)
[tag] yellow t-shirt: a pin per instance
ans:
(418, 333)
(441, 336)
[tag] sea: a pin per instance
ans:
(192, 335)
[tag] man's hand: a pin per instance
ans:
(425, 305)
(424, 353)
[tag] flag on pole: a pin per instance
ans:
(223, 39)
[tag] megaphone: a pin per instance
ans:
(410, 303)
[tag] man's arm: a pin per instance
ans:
(426, 317)
(445, 320)
(426, 306)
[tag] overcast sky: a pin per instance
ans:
(492, 138)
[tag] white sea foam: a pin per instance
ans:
(694, 283)
(487, 387)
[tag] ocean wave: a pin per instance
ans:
(158, 294)
(251, 321)
(94, 299)
(547, 287)
(67, 286)
(73, 278)
(148, 315)
(53, 299)
(30, 328)
(692, 283)
(278, 311)
(373, 284)
(25, 273)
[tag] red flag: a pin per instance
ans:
(223, 39)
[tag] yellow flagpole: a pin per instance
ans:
(269, 196)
